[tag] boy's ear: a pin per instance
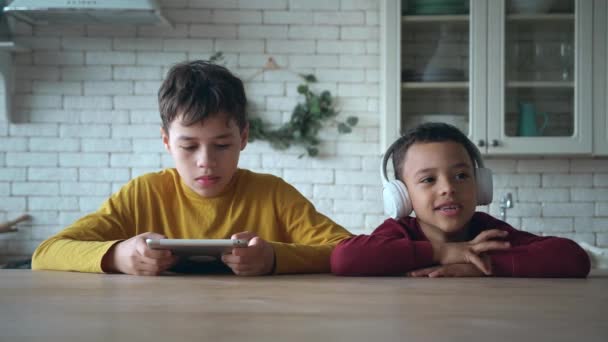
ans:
(244, 136)
(165, 138)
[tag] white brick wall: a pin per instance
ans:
(88, 118)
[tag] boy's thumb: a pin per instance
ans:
(254, 242)
(151, 235)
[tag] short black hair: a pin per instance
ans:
(198, 89)
(431, 132)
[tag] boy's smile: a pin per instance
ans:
(449, 209)
(206, 154)
(440, 180)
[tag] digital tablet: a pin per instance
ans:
(195, 247)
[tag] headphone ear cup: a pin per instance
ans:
(397, 202)
(485, 186)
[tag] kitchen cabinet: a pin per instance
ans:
(514, 75)
(600, 79)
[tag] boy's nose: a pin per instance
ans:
(205, 159)
(446, 187)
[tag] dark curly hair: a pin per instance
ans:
(432, 132)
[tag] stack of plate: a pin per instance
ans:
(530, 6)
(409, 75)
(433, 75)
(432, 7)
(443, 75)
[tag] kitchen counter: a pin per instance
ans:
(65, 306)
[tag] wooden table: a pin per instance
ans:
(63, 306)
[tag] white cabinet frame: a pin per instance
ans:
(487, 86)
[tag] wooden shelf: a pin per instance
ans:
(466, 17)
(465, 85)
(434, 85)
(541, 17)
(540, 84)
(459, 18)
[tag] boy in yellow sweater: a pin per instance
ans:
(206, 196)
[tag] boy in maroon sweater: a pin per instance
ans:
(440, 176)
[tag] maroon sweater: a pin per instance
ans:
(397, 247)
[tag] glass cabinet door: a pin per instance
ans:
(435, 62)
(539, 75)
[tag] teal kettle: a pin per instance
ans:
(528, 121)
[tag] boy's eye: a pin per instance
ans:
(189, 148)
(222, 146)
(427, 180)
(462, 176)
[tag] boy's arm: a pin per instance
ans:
(81, 246)
(535, 256)
(315, 236)
(311, 235)
(63, 254)
(387, 251)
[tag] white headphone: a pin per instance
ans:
(397, 202)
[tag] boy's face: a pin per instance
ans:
(441, 183)
(206, 154)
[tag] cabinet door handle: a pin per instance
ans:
(495, 143)
(481, 143)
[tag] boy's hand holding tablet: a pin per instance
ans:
(151, 254)
(257, 259)
(133, 256)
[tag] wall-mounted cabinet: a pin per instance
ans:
(600, 77)
(515, 75)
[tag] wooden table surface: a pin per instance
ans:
(64, 306)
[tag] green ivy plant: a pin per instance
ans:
(307, 119)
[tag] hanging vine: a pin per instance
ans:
(307, 119)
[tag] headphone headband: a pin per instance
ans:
(387, 155)
(477, 159)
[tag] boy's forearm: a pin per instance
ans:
(108, 263)
(70, 255)
(297, 258)
(546, 257)
(380, 256)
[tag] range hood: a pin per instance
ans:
(7, 46)
(6, 38)
(87, 11)
(6, 85)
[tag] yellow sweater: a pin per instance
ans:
(160, 202)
